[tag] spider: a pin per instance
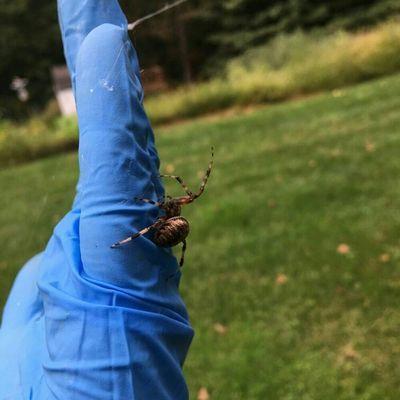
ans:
(171, 228)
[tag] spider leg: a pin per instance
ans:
(162, 198)
(136, 235)
(154, 203)
(205, 179)
(183, 254)
(180, 181)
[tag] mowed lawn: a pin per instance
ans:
(292, 276)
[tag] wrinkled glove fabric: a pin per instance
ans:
(84, 321)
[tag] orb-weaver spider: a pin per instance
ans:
(171, 228)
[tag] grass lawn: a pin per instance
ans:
(294, 249)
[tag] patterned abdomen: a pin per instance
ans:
(173, 231)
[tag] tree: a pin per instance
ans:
(30, 44)
(246, 23)
(190, 42)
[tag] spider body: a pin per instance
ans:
(172, 208)
(171, 232)
(171, 228)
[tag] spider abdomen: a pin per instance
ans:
(171, 232)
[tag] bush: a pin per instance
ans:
(36, 138)
(290, 65)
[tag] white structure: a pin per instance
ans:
(19, 86)
(63, 90)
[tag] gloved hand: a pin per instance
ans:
(84, 321)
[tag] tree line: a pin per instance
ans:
(191, 42)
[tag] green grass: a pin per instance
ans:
(291, 183)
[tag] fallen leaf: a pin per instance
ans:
(369, 147)
(203, 394)
(281, 279)
(343, 248)
(220, 329)
(384, 258)
(336, 152)
(312, 163)
(337, 93)
(169, 168)
(339, 289)
(349, 353)
(271, 203)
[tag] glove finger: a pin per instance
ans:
(116, 167)
(78, 18)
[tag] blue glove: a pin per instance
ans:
(84, 321)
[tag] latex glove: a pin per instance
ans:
(85, 321)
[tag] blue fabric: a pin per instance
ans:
(84, 321)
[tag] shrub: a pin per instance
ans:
(289, 65)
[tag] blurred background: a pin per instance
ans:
(292, 276)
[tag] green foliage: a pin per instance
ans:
(291, 183)
(288, 66)
(30, 44)
(246, 23)
(36, 138)
(194, 40)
